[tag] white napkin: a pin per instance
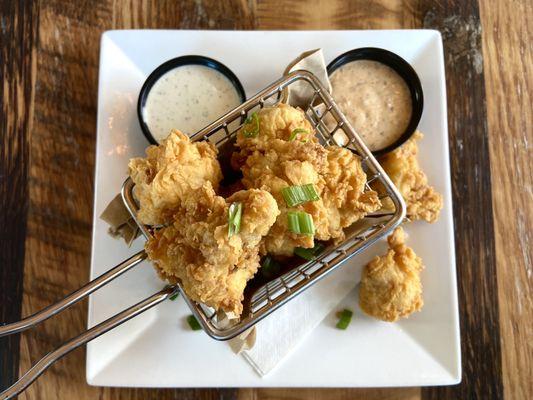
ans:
(274, 338)
(301, 93)
(281, 332)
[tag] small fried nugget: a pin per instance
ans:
(197, 251)
(344, 197)
(277, 122)
(390, 286)
(280, 165)
(402, 166)
(169, 172)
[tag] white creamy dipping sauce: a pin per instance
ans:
(188, 98)
(375, 99)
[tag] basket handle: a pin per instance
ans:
(45, 362)
(72, 298)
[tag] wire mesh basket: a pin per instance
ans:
(332, 128)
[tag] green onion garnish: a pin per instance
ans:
(295, 195)
(345, 317)
(297, 131)
(269, 267)
(174, 296)
(193, 323)
(234, 219)
(309, 254)
(300, 222)
(251, 126)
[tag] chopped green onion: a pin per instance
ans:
(193, 323)
(251, 126)
(309, 254)
(297, 131)
(269, 267)
(295, 195)
(234, 219)
(174, 296)
(300, 222)
(345, 317)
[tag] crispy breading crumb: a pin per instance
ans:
(390, 286)
(272, 161)
(402, 166)
(169, 172)
(197, 250)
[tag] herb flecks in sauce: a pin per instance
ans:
(188, 98)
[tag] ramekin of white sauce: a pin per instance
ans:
(380, 94)
(186, 93)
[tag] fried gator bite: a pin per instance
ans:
(197, 250)
(277, 158)
(275, 123)
(402, 166)
(390, 286)
(169, 172)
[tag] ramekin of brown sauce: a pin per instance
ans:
(380, 94)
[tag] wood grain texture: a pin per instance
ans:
(330, 394)
(459, 24)
(17, 75)
(64, 80)
(61, 186)
(508, 64)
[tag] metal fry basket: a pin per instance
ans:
(332, 128)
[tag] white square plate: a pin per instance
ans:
(157, 349)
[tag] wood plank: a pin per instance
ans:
(61, 187)
(507, 46)
(169, 14)
(330, 394)
(18, 32)
(459, 23)
(335, 14)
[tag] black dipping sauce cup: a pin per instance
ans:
(175, 63)
(404, 69)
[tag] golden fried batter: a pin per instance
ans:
(276, 123)
(284, 164)
(272, 162)
(169, 171)
(197, 250)
(344, 195)
(401, 165)
(390, 285)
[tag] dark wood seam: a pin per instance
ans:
(459, 23)
(18, 37)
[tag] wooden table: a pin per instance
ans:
(49, 70)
